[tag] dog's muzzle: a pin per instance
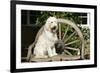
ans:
(54, 29)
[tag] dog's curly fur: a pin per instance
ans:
(45, 44)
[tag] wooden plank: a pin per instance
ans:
(60, 31)
(56, 58)
(40, 60)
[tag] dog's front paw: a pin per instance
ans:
(54, 54)
(50, 55)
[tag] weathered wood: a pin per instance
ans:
(72, 42)
(56, 58)
(40, 60)
(60, 31)
(69, 53)
(69, 37)
(65, 32)
(75, 49)
(78, 32)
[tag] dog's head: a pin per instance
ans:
(51, 24)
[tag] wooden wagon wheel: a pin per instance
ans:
(76, 32)
(65, 37)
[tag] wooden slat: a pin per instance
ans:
(69, 37)
(66, 51)
(60, 31)
(72, 42)
(75, 49)
(65, 33)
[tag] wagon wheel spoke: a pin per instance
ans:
(70, 36)
(60, 31)
(66, 51)
(65, 32)
(72, 42)
(70, 48)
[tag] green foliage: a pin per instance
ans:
(43, 15)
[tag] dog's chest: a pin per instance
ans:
(50, 36)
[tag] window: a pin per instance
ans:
(29, 17)
(84, 19)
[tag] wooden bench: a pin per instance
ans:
(56, 58)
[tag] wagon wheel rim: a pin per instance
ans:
(79, 33)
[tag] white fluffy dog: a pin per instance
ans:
(45, 44)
